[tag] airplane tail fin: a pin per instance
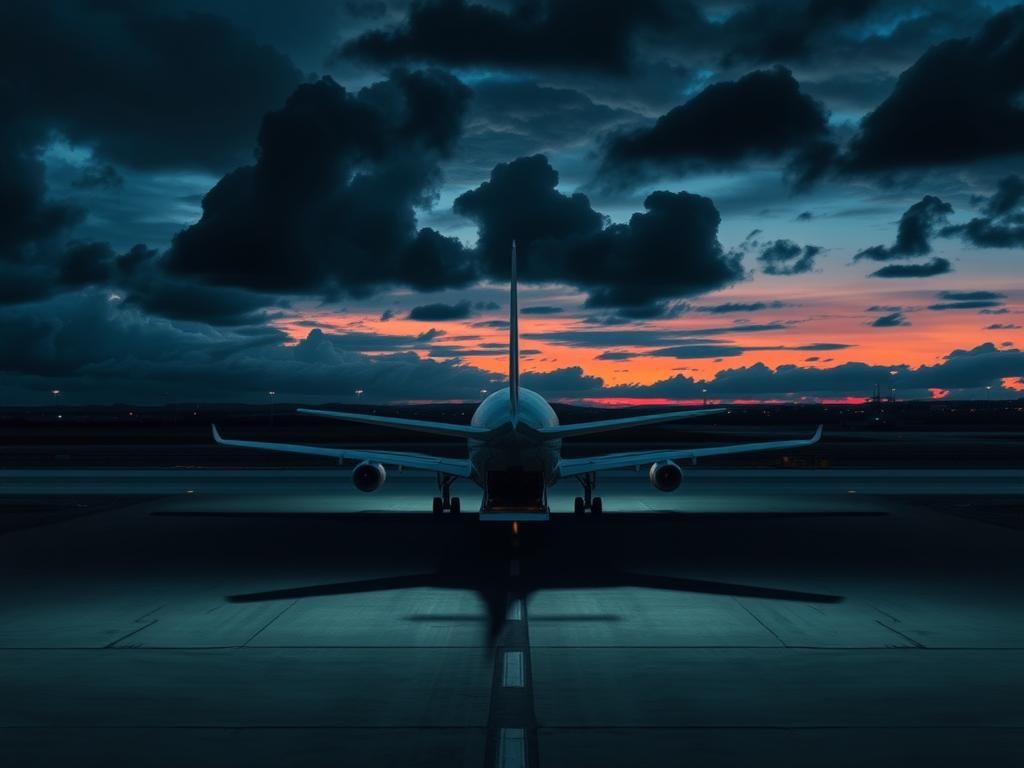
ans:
(513, 341)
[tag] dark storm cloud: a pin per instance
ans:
(509, 118)
(890, 321)
(960, 371)
(440, 311)
(964, 305)
(541, 310)
(697, 351)
(627, 337)
(329, 205)
(141, 276)
(98, 177)
(917, 224)
(958, 103)
(1008, 196)
(27, 218)
(952, 300)
(143, 88)
(773, 31)
(552, 34)
(1003, 224)
(784, 257)
(86, 264)
(761, 115)
(937, 266)
(670, 250)
(733, 306)
(971, 295)
(616, 355)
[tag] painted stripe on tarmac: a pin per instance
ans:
(515, 609)
(512, 677)
(512, 748)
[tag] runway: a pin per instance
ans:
(280, 617)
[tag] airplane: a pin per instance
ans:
(514, 443)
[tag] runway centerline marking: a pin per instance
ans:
(512, 748)
(515, 609)
(512, 677)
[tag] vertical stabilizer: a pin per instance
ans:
(513, 341)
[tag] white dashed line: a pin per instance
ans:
(515, 609)
(512, 675)
(512, 748)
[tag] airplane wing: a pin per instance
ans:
(571, 467)
(607, 425)
(415, 425)
(456, 467)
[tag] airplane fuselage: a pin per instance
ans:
(514, 450)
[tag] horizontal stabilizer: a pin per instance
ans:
(414, 425)
(456, 467)
(572, 467)
(608, 425)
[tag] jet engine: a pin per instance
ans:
(666, 475)
(369, 476)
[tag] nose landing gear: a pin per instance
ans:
(588, 501)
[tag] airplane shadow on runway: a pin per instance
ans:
(567, 553)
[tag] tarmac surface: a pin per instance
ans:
(771, 617)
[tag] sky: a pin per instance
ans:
(748, 201)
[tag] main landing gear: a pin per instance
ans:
(446, 501)
(588, 501)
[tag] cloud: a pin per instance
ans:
(890, 321)
(784, 257)
(329, 205)
(1003, 224)
(735, 306)
(98, 177)
(1008, 196)
(968, 300)
(937, 266)
(971, 295)
(670, 250)
(958, 103)
(916, 227)
(962, 371)
(541, 310)
(439, 311)
(770, 31)
(761, 115)
(569, 34)
(515, 117)
(141, 87)
(1002, 327)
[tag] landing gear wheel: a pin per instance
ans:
(596, 507)
(438, 506)
(455, 506)
(578, 506)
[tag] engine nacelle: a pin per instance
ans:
(666, 475)
(368, 476)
